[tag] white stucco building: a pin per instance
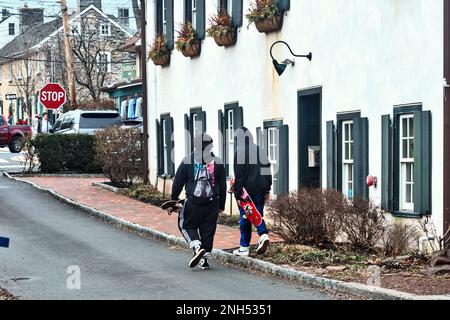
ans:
(374, 86)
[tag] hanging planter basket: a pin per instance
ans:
(270, 25)
(163, 60)
(192, 50)
(226, 40)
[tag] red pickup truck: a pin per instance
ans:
(12, 136)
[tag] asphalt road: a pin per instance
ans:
(48, 239)
(10, 162)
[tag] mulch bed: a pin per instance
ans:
(402, 273)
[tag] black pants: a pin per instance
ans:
(198, 224)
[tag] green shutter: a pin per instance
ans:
(361, 158)
(222, 139)
(239, 118)
(170, 156)
(201, 23)
(283, 159)
(422, 162)
(159, 150)
(202, 116)
(159, 16)
(188, 11)
(284, 5)
(170, 23)
(386, 163)
(237, 13)
(261, 138)
(187, 135)
(331, 156)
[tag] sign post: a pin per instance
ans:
(4, 242)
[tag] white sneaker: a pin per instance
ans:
(242, 251)
(263, 244)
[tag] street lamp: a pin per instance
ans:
(280, 67)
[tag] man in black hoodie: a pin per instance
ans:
(253, 172)
(203, 176)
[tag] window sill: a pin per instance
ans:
(406, 214)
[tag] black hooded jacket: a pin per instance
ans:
(184, 178)
(251, 168)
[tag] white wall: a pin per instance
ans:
(4, 30)
(367, 56)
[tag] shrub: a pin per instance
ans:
(187, 36)
(362, 224)
(261, 10)
(309, 216)
(220, 24)
(70, 153)
(120, 154)
(30, 159)
(398, 238)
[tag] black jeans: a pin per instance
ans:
(198, 224)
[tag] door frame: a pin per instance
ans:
(300, 94)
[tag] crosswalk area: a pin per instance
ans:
(10, 161)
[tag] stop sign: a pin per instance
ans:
(52, 96)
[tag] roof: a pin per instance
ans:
(29, 38)
(132, 43)
(121, 85)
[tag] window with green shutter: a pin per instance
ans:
(274, 141)
(230, 120)
(406, 162)
(195, 124)
(194, 12)
(165, 20)
(165, 145)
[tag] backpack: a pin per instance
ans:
(203, 190)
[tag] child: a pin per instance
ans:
(203, 176)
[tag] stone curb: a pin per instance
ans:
(69, 175)
(106, 187)
(224, 257)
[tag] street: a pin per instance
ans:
(50, 242)
(9, 162)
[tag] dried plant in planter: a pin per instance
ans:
(188, 42)
(159, 52)
(266, 16)
(221, 29)
(398, 239)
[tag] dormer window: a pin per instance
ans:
(105, 29)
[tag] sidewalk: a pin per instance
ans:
(81, 190)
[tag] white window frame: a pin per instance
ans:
(406, 163)
(10, 72)
(195, 125)
(164, 18)
(165, 146)
(19, 71)
(123, 18)
(230, 7)
(108, 25)
(273, 154)
(1, 74)
(348, 166)
(194, 13)
(108, 61)
(9, 29)
(230, 140)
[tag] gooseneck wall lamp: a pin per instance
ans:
(281, 67)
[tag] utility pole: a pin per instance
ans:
(69, 55)
(144, 87)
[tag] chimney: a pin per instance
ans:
(30, 16)
(83, 4)
(5, 14)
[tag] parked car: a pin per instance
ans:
(12, 136)
(134, 123)
(85, 122)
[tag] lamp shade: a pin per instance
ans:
(279, 67)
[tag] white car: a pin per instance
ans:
(85, 122)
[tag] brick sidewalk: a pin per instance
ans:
(81, 190)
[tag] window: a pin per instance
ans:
(12, 29)
(406, 162)
(230, 134)
(10, 72)
(165, 145)
(98, 120)
(273, 155)
(194, 14)
(164, 17)
(19, 71)
(105, 29)
(1, 74)
(104, 60)
(124, 16)
(348, 158)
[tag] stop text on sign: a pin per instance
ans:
(52, 96)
